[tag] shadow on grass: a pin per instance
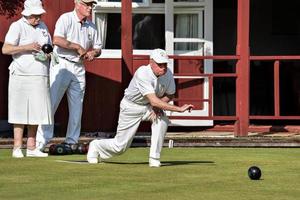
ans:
(185, 162)
(163, 163)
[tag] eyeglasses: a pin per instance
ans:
(86, 5)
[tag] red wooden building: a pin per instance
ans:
(236, 60)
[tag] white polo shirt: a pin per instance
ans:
(145, 82)
(69, 27)
(22, 33)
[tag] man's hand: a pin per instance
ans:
(82, 52)
(185, 107)
(90, 55)
(156, 113)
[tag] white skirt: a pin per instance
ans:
(29, 100)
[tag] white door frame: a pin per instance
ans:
(172, 8)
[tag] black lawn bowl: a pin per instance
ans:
(52, 149)
(82, 148)
(254, 173)
(68, 149)
(60, 149)
(47, 48)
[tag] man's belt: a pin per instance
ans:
(67, 59)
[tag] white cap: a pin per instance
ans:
(33, 7)
(89, 1)
(159, 56)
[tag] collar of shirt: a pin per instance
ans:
(82, 22)
(26, 21)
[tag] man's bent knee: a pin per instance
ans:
(119, 149)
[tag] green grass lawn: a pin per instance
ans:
(187, 173)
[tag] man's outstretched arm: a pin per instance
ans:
(160, 103)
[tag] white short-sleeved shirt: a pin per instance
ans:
(69, 27)
(23, 33)
(145, 82)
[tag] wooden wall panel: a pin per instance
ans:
(103, 95)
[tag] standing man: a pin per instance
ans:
(75, 39)
(146, 98)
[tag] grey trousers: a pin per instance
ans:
(65, 77)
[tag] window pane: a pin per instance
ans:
(148, 31)
(113, 34)
(158, 1)
(184, 46)
(186, 26)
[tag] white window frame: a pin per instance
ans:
(118, 4)
(148, 8)
(146, 3)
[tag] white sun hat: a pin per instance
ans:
(33, 7)
(159, 56)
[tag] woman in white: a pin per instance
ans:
(28, 93)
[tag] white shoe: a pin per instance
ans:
(17, 153)
(40, 146)
(93, 154)
(35, 153)
(154, 162)
(92, 160)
